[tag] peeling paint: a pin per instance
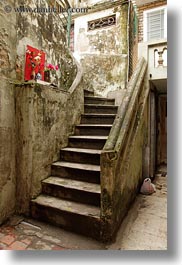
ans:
(44, 119)
(42, 32)
(103, 52)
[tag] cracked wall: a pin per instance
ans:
(45, 117)
(44, 31)
(25, 161)
(103, 52)
(7, 124)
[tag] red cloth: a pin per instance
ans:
(34, 60)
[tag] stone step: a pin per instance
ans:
(93, 129)
(80, 155)
(80, 218)
(71, 195)
(77, 171)
(73, 190)
(88, 93)
(98, 100)
(97, 118)
(87, 141)
(103, 109)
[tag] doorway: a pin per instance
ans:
(162, 130)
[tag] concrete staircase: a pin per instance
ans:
(71, 195)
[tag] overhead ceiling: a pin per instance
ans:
(160, 85)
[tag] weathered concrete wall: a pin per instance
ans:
(28, 147)
(7, 125)
(123, 178)
(103, 52)
(122, 158)
(129, 171)
(44, 31)
(7, 151)
(45, 117)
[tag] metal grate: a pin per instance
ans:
(102, 22)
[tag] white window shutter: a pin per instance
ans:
(155, 24)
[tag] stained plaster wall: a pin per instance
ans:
(44, 120)
(7, 124)
(122, 173)
(103, 52)
(44, 31)
(31, 119)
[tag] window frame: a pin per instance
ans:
(145, 13)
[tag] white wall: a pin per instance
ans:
(147, 50)
(81, 33)
(103, 51)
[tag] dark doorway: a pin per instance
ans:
(162, 130)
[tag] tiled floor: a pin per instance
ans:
(26, 237)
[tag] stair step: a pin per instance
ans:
(76, 171)
(82, 150)
(97, 118)
(80, 155)
(71, 195)
(87, 141)
(78, 166)
(98, 100)
(93, 129)
(73, 190)
(89, 137)
(80, 218)
(103, 109)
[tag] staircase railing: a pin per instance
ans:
(117, 134)
(121, 158)
(65, 18)
(71, 71)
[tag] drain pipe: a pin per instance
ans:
(128, 40)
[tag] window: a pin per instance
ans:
(102, 22)
(155, 24)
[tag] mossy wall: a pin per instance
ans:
(45, 117)
(34, 121)
(121, 171)
(103, 52)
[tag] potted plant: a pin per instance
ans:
(50, 68)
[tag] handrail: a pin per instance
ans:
(65, 19)
(78, 77)
(120, 125)
(131, 110)
(65, 22)
(68, 29)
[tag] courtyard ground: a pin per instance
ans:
(144, 228)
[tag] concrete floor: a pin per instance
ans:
(144, 228)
